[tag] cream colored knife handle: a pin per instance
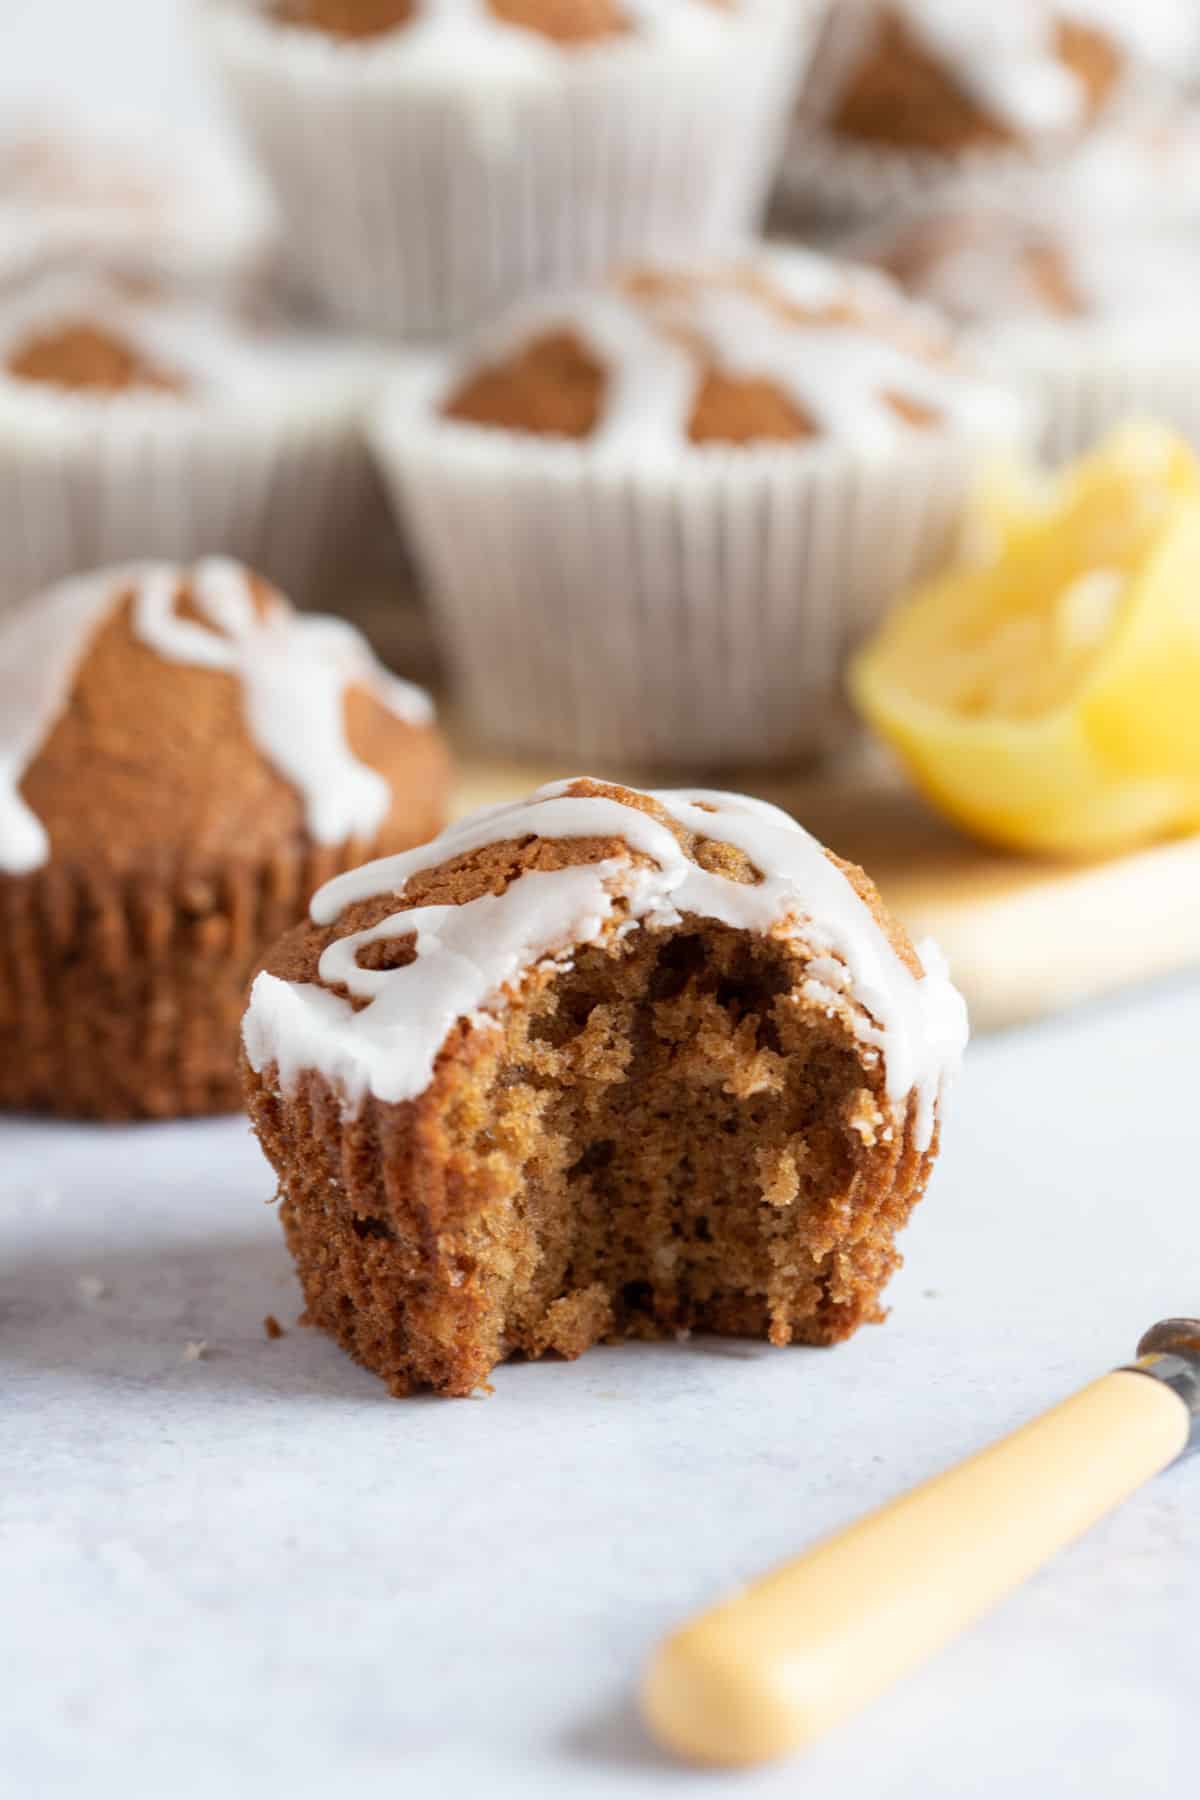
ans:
(778, 1663)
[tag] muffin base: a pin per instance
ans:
(121, 996)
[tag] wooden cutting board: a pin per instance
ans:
(1024, 938)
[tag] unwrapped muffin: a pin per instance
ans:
(656, 515)
(432, 161)
(1097, 326)
(136, 420)
(600, 1064)
(183, 759)
(909, 96)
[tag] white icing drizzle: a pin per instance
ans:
(1005, 56)
(978, 266)
(839, 374)
(457, 40)
(467, 957)
(221, 360)
(1005, 53)
(294, 668)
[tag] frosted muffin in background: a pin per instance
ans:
(183, 759)
(655, 516)
(1095, 324)
(909, 97)
(181, 211)
(433, 160)
(139, 421)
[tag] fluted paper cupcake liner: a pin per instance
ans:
(121, 995)
(87, 482)
(1086, 377)
(695, 613)
(417, 205)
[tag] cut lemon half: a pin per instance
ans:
(1046, 696)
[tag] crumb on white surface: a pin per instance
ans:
(91, 1287)
(195, 1350)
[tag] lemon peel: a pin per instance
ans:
(1045, 694)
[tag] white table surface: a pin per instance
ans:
(254, 1573)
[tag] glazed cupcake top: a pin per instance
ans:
(403, 948)
(776, 347)
(989, 267)
(943, 75)
(154, 709)
(514, 35)
(74, 200)
(69, 339)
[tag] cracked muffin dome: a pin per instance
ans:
(253, 433)
(784, 347)
(183, 759)
(600, 1064)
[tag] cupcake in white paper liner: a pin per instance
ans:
(905, 99)
(138, 423)
(1096, 326)
(182, 212)
(656, 517)
(435, 159)
(1141, 172)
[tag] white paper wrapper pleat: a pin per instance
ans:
(418, 205)
(695, 613)
(85, 482)
(1086, 378)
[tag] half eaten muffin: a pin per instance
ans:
(602, 1064)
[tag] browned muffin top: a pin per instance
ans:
(913, 86)
(566, 22)
(84, 355)
(506, 895)
(161, 712)
(494, 867)
(782, 347)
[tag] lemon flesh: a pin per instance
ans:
(1046, 695)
